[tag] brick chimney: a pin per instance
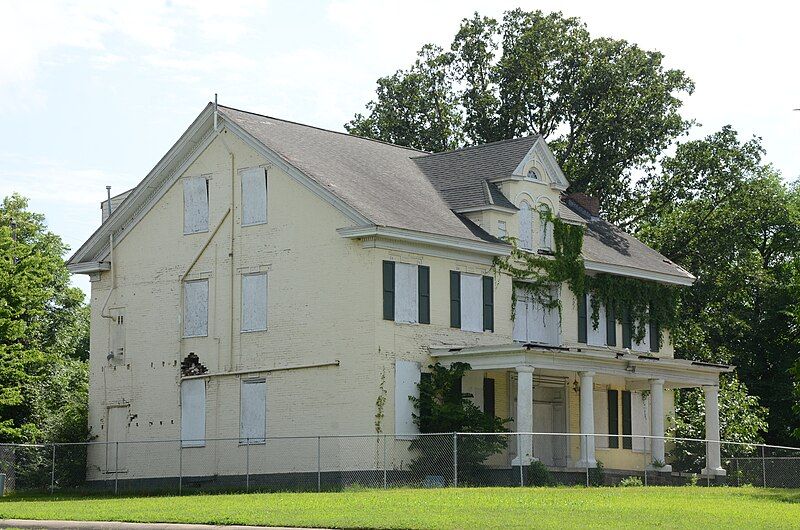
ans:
(587, 202)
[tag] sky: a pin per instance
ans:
(93, 93)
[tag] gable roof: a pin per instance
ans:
(377, 179)
(461, 176)
(607, 248)
(381, 186)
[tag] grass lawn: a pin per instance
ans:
(668, 507)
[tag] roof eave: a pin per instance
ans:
(438, 240)
(621, 270)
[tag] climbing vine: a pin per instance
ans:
(643, 300)
(638, 301)
(536, 273)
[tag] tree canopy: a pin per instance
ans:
(611, 112)
(605, 106)
(44, 330)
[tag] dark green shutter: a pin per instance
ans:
(388, 290)
(424, 286)
(425, 404)
(488, 397)
(613, 419)
(627, 442)
(626, 328)
(455, 299)
(583, 324)
(611, 327)
(655, 338)
(488, 303)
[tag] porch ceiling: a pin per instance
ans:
(676, 373)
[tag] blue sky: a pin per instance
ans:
(95, 92)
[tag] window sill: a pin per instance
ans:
(195, 336)
(192, 445)
(247, 331)
(254, 224)
(194, 233)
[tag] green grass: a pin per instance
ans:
(667, 507)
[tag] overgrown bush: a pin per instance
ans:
(443, 408)
(539, 475)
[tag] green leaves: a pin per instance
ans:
(43, 323)
(605, 106)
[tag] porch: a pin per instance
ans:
(621, 421)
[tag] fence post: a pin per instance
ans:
(53, 471)
(247, 464)
(116, 468)
(585, 442)
(521, 474)
(763, 468)
(708, 473)
(455, 459)
(384, 461)
(736, 461)
(180, 467)
(319, 464)
(644, 455)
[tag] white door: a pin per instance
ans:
(117, 431)
(543, 422)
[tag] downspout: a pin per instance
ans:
(103, 312)
(233, 224)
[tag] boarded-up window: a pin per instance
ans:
(118, 332)
(640, 421)
(406, 379)
(644, 344)
(534, 321)
(195, 205)
(471, 302)
(406, 288)
(253, 414)
(545, 227)
(525, 226)
(600, 418)
(195, 308)
(193, 413)
(254, 302)
(596, 336)
(254, 196)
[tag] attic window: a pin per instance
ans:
(532, 174)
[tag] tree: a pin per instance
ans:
(724, 215)
(43, 327)
(443, 408)
(605, 106)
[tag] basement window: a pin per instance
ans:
(195, 205)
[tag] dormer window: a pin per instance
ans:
(532, 174)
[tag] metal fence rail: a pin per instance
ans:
(327, 463)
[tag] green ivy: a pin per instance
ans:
(644, 301)
(536, 273)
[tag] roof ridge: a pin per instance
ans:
(328, 130)
(478, 146)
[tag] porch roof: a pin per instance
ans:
(601, 360)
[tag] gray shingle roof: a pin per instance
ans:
(404, 188)
(377, 179)
(459, 175)
(605, 243)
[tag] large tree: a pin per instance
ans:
(717, 209)
(606, 106)
(43, 330)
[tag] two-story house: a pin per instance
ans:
(270, 279)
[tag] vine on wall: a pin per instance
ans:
(537, 273)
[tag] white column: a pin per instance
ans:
(587, 420)
(657, 422)
(713, 459)
(524, 415)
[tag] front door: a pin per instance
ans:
(550, 416)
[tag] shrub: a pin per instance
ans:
(539, 475)
(630, 482)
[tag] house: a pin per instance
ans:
(270, 279)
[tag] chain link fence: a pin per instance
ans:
(334, 463)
